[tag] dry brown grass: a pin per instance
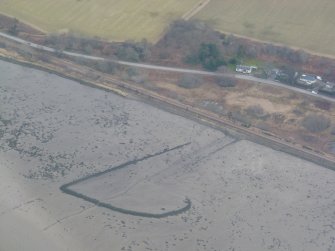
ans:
(284, 111)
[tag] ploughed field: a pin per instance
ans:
(109, 19)
(135, 162)
(306, 24)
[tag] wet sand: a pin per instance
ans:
(243, 196)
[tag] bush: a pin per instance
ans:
(316, 123)
(215, 107)
(140, 78)
(106, 66)
(88, 49)
(309, 138)
(192, 59)
(278, 117)
(189, 81)
(210, 57)
(237, 116)
(134, 51)
(261, 73)
(233, 61)
(256, 111)
(44, 57)
(13, 29)
(127, 53)
(297, 111)
(263, 126)
(226, 81)
(323, 105)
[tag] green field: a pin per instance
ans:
(307, 24)
(110, 19)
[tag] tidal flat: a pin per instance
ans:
(242, 196)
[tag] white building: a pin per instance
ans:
(245, 68)
(308, 79)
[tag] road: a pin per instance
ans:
(203, 116)
(196, 9)
(165, 68)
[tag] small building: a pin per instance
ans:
(245, 69)
(308, 79)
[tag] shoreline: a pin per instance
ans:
(197, 116)
(228, 181)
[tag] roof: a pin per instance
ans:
(243, 67)
(309, 78)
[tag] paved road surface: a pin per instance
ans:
(165, 68)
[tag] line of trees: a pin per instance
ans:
(188, 39)
(208, 56)
(129, 50)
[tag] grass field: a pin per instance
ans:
(110, 19)
(307, 24)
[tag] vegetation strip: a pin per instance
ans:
(166, 68)
(66, 189)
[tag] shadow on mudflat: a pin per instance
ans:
(66, 188)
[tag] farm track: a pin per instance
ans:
(196, 9)
(191, 112)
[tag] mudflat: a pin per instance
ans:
(241, 195)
